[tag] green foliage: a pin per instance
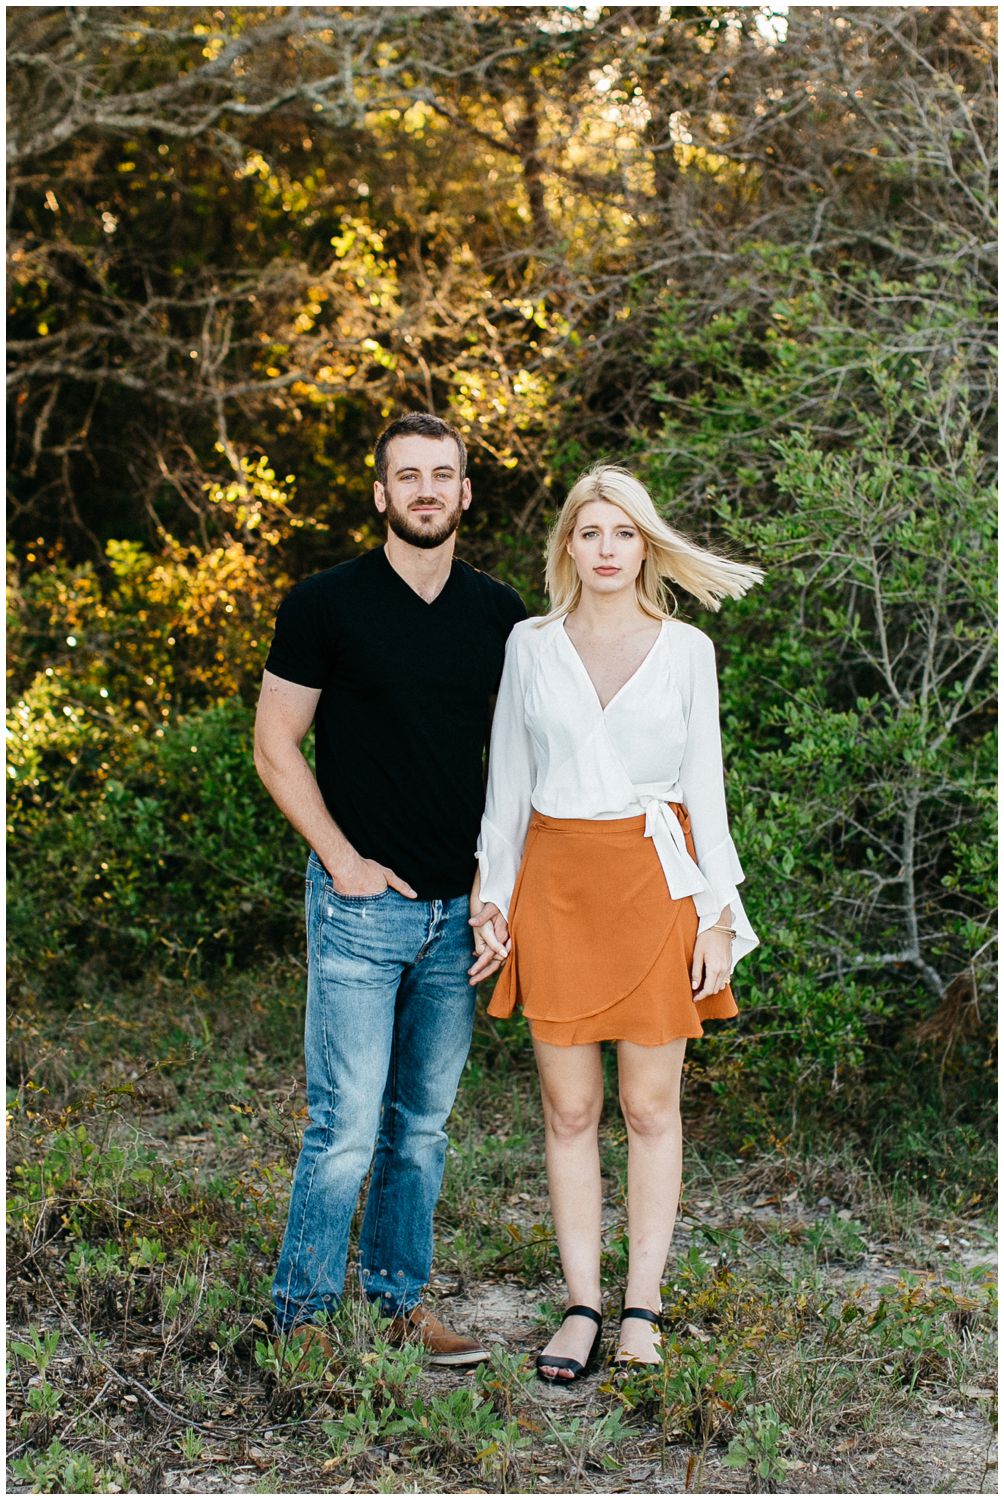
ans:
(838, 1238)
(79, 1181)
(165, 840)
(917, 1326)
(834, 437)
(38, 1349)
(60, 1470)
(135, 816)
(385, 1404)
(758, 1443)
(191, 1445)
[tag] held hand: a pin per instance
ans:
(491, 948)
(486, 962)
(712, 963)
(487, 917)
(367, 878)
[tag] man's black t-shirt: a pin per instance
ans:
(402, 720)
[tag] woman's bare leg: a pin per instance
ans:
(649, 1079)
(571, 1088)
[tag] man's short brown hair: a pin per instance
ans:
(415, 424)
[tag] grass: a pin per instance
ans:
(820, 1314)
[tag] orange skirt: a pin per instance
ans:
(600, 950)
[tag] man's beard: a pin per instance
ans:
(422, 534)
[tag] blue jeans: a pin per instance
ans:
(388, 1029)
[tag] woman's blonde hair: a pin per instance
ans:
(668, 554)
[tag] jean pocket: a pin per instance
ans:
(340, 900)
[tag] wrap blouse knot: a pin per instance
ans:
(665, 830)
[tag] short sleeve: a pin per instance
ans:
(302, 648)
(511, 610)
(515, 608)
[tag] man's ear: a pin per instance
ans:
(465, 493)
(379, 496)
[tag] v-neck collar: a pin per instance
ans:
(425, 603)
(624, 685)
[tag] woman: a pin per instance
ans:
(605, 848)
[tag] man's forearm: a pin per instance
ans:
(293, 788)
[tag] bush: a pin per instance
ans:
(839, 426)
(178, 849)
(138, 830)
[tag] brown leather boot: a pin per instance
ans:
(441, 1344)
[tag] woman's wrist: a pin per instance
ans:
(725, 923)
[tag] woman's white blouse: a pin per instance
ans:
(658, 740)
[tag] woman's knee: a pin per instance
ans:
(651, 1118)
(567, 1119)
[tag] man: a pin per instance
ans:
(394, 656)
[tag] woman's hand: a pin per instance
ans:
(491, 936)
(712, 963)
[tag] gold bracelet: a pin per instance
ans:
(730, 930)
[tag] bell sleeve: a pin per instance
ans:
(702, 780)
(511, 774)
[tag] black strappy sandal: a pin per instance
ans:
(626, 1362)
(561, 1362)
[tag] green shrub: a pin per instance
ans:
(60, 1471)
(833, 425)
(177, 849)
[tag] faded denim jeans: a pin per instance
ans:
(388, 1029)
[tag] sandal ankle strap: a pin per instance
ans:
(579, 1311)
(644, 1314)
